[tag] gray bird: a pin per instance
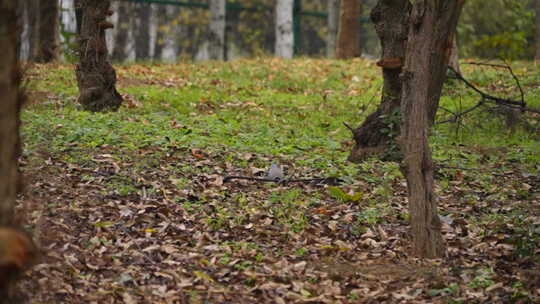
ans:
(275, 173)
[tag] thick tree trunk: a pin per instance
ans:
(49, 48)
(537, 34)
(121, 37)
(429, 45)
(11, 98)
(17, 251)
(284, 29)
(333, 25)
(96, 77)
(217, 30)
(348, 41)
(376, 135)
(142, 37)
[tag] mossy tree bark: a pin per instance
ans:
(49, 31)
(376, 135)
(429, 46)
(96, 78)
(348, 40)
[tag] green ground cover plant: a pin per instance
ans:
(131, 206)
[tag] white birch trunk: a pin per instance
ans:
(284, 28)
(217, 30)
(333, 24)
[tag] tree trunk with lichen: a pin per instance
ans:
(49, 31)
(429, 45)
(376, 135)
(96, 78)
(348, 39)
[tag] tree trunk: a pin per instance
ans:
(454, 56)
(429, 45)
(32, 15)
(284, 29)
(537, 34)
(10, 77)
(162, 19)
(96, 77)
(49, 48)
(376, 135)
(121, 37)
(348, 41)
(217, 30)
(77, 4)
(333, 24)
(142, 37)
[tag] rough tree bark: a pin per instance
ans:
(537, 28)
(142, 36)
(431, 29)
(217, 30)
(348, 41)
(49, 48)
(121, 37)
(333, 25)
(17, 251)
(376, 135)
(284, 29)
(96, 77)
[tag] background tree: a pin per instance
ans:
(333, 25)
(284, 28)
(162, 20)
(49, 31)
(429, 45)
(376, 135)
(142, 35)
(122, 31)
(16, 249)
(537, 32)
(217, 29)
(96, 77)
(348, 41)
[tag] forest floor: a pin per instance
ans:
(131, 207)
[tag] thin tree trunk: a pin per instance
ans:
(162, 19)
(96, 77)
(284, 29)
(142, 37)
(32, 13)
(376, 135)
(348, 41)
(49, 48)
(429, 45)
(537, 56)
(217, 30)
(454, 56)
(77, 4)
(333, 25)
(121, 37)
